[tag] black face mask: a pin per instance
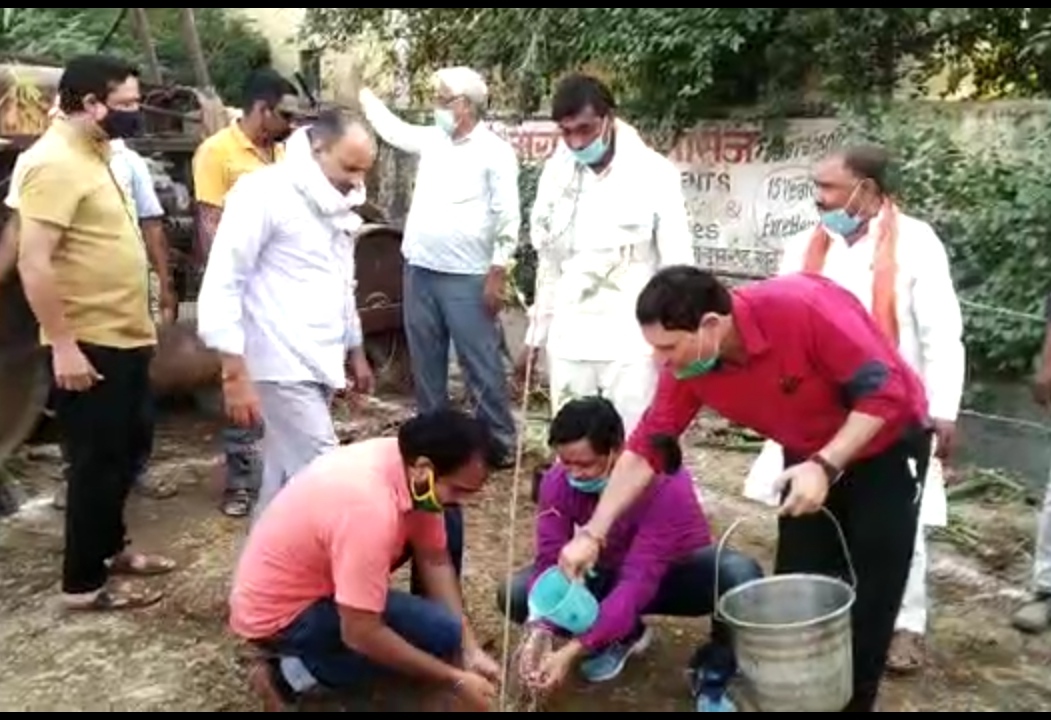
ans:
(120, 124)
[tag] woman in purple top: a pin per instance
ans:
(658, 559)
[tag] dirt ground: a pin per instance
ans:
(177, 657)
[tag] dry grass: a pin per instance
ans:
(178, 657)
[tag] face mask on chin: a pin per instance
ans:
(593, 152)
(700, 366)
(427, 500)
(840, 221)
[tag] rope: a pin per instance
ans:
(1006, 312)
(505, 661)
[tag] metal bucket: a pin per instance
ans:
(792, 636)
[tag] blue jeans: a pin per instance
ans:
(315, 638)
(439, 308)
(687, 590)
(242, 458)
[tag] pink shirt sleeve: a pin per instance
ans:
(361, 560)
(427, 530)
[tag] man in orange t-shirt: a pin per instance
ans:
(313, 583)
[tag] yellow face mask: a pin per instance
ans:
(427, 501)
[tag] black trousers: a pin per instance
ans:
(143, 453)
(877, 504)
(104, 431)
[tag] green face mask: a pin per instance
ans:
(697, 368)
(427, 501)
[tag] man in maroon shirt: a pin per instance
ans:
(798, 359)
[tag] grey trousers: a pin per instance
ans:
(299, 428)
(440, 308)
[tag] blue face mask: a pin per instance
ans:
(591, 486)
(593, 152)
(446, 120)
(840, 222)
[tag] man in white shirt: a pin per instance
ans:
(609, 213)
(461, 231)
(897, 267)
(277, 300)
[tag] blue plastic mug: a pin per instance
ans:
(565, 604)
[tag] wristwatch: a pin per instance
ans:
(832, 472)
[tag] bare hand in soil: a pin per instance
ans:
(476, 692)
(73, 371)
(551, 672)
(538, 643)
(479, 661)
(242, 402)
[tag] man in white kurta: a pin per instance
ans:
(277, 300)
(930, 330)
(609, 213)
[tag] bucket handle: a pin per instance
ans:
(739, 521)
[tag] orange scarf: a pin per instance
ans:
(884, 267)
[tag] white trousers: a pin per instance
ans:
(759, 485)
(628, 384)
(299, 428)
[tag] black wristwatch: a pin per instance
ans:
(832, 472)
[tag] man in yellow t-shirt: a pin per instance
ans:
(84, 271)
(252, 142)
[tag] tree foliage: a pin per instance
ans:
(990, 202)
(230, 44)
(678, 64)
(671, 67)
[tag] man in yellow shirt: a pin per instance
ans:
(270, 108)
(84, 270)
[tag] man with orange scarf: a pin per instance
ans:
(898, 268)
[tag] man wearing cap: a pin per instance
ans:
(252, 142)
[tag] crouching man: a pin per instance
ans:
(313, 584)
(659, 560)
